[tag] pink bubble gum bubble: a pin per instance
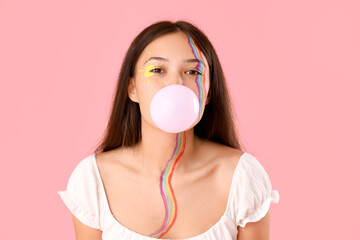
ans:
(174, 108)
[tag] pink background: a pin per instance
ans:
(292, 68)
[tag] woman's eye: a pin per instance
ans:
(155, 70)
(194, 71)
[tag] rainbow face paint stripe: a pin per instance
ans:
(167, 192)
(200, 79)
(166, 189)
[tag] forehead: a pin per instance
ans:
(173, 46)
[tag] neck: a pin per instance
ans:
(156, 149)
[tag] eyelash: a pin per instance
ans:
(198, 73)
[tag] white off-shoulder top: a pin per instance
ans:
(248, 201)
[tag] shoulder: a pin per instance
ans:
(120, 155)
(253, 191)
(118, 161)
(225, 157)
(223, 162)
(82, 193)
(83, 176)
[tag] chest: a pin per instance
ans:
(137, 203)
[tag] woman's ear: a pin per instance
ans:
(132, 90)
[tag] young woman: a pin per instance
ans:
(150, 179)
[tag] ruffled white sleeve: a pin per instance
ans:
(254, 192)
(80, 196)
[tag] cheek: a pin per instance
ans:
(145, 93)
(207, 82)
(199, 84)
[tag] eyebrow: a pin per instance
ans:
(166, 60)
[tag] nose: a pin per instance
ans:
(180, 80)
(175, 79)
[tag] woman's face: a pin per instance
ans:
(168, 59)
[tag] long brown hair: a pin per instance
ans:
(216, 124)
